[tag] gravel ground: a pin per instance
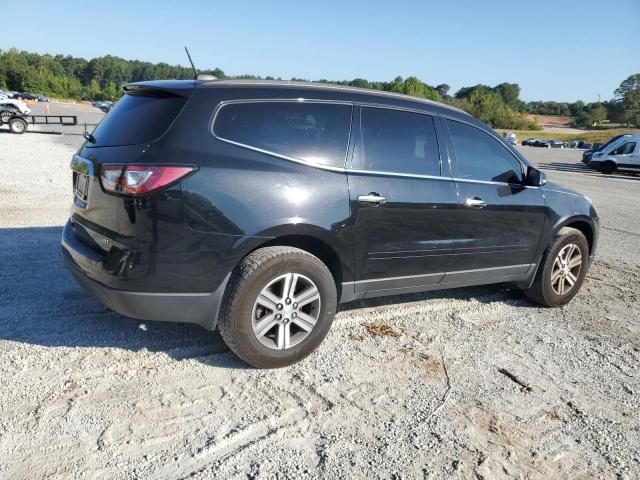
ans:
(474, 383)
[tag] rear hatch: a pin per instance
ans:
(141, 116)
(131, 133)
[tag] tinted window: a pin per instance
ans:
(314, 132)
(138, 119)
(397, 141)
(625, 149)
(481, 157)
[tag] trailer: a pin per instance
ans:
(20, 123)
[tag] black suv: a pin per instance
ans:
(257, 207)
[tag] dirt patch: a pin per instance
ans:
(550, 120)
(379, 329)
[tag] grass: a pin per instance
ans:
(589, 136)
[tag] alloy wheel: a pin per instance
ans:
(286, 311)
(566, 269)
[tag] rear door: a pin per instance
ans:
(499, 220)
(401, 202)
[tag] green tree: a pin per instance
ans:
(583, 119)
(629, 93)
(598, 113)
(443, 90)
(509, 93)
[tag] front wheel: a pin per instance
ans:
(608, 168)
(6, 115)
(278, 307)
(562, 271)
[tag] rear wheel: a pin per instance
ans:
(278, 307)
(562, 271)
(608, 167)
(17, 125)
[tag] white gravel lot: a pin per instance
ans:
(87, 393)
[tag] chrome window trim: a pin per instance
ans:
(345, 169)
(431, 113)
(323, 166)
(489, 182)
(394, 174)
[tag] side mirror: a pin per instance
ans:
(535, 177)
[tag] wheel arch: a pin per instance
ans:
(335, 253)
(583, 224)
(315, 246)
(586, 228)
(580, 222)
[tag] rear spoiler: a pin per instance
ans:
(165, 88)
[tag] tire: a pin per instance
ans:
(17, 125)
(252, 329)
(608, 168)
(5, 116)
(546, 290)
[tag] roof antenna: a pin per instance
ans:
(195, 72)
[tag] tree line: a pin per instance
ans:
(100, 78)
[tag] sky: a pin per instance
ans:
(562, 50)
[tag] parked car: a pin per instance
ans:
(33, 96)
(623, 154)
(556, 144)
(573, 144)
(27, 96)
(104, 105)
(542, 142)
(511, 138)
(586, 156)
(257, 207)
(17, 105)
(529, 142)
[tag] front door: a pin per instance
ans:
(401, 204)
(627, 156)
(499, 220)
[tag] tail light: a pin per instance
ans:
(141, 179)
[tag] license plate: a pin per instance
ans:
(81, 186)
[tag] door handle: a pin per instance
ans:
(372, 198)
(475, 202)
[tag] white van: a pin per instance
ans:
(621, 155)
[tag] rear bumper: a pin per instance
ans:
(197, 308)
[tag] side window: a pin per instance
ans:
(625, 149)
(313, 132)
(397, 142)
(481, 157)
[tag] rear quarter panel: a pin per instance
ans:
(252, 196)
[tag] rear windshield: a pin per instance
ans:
(137, 119)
